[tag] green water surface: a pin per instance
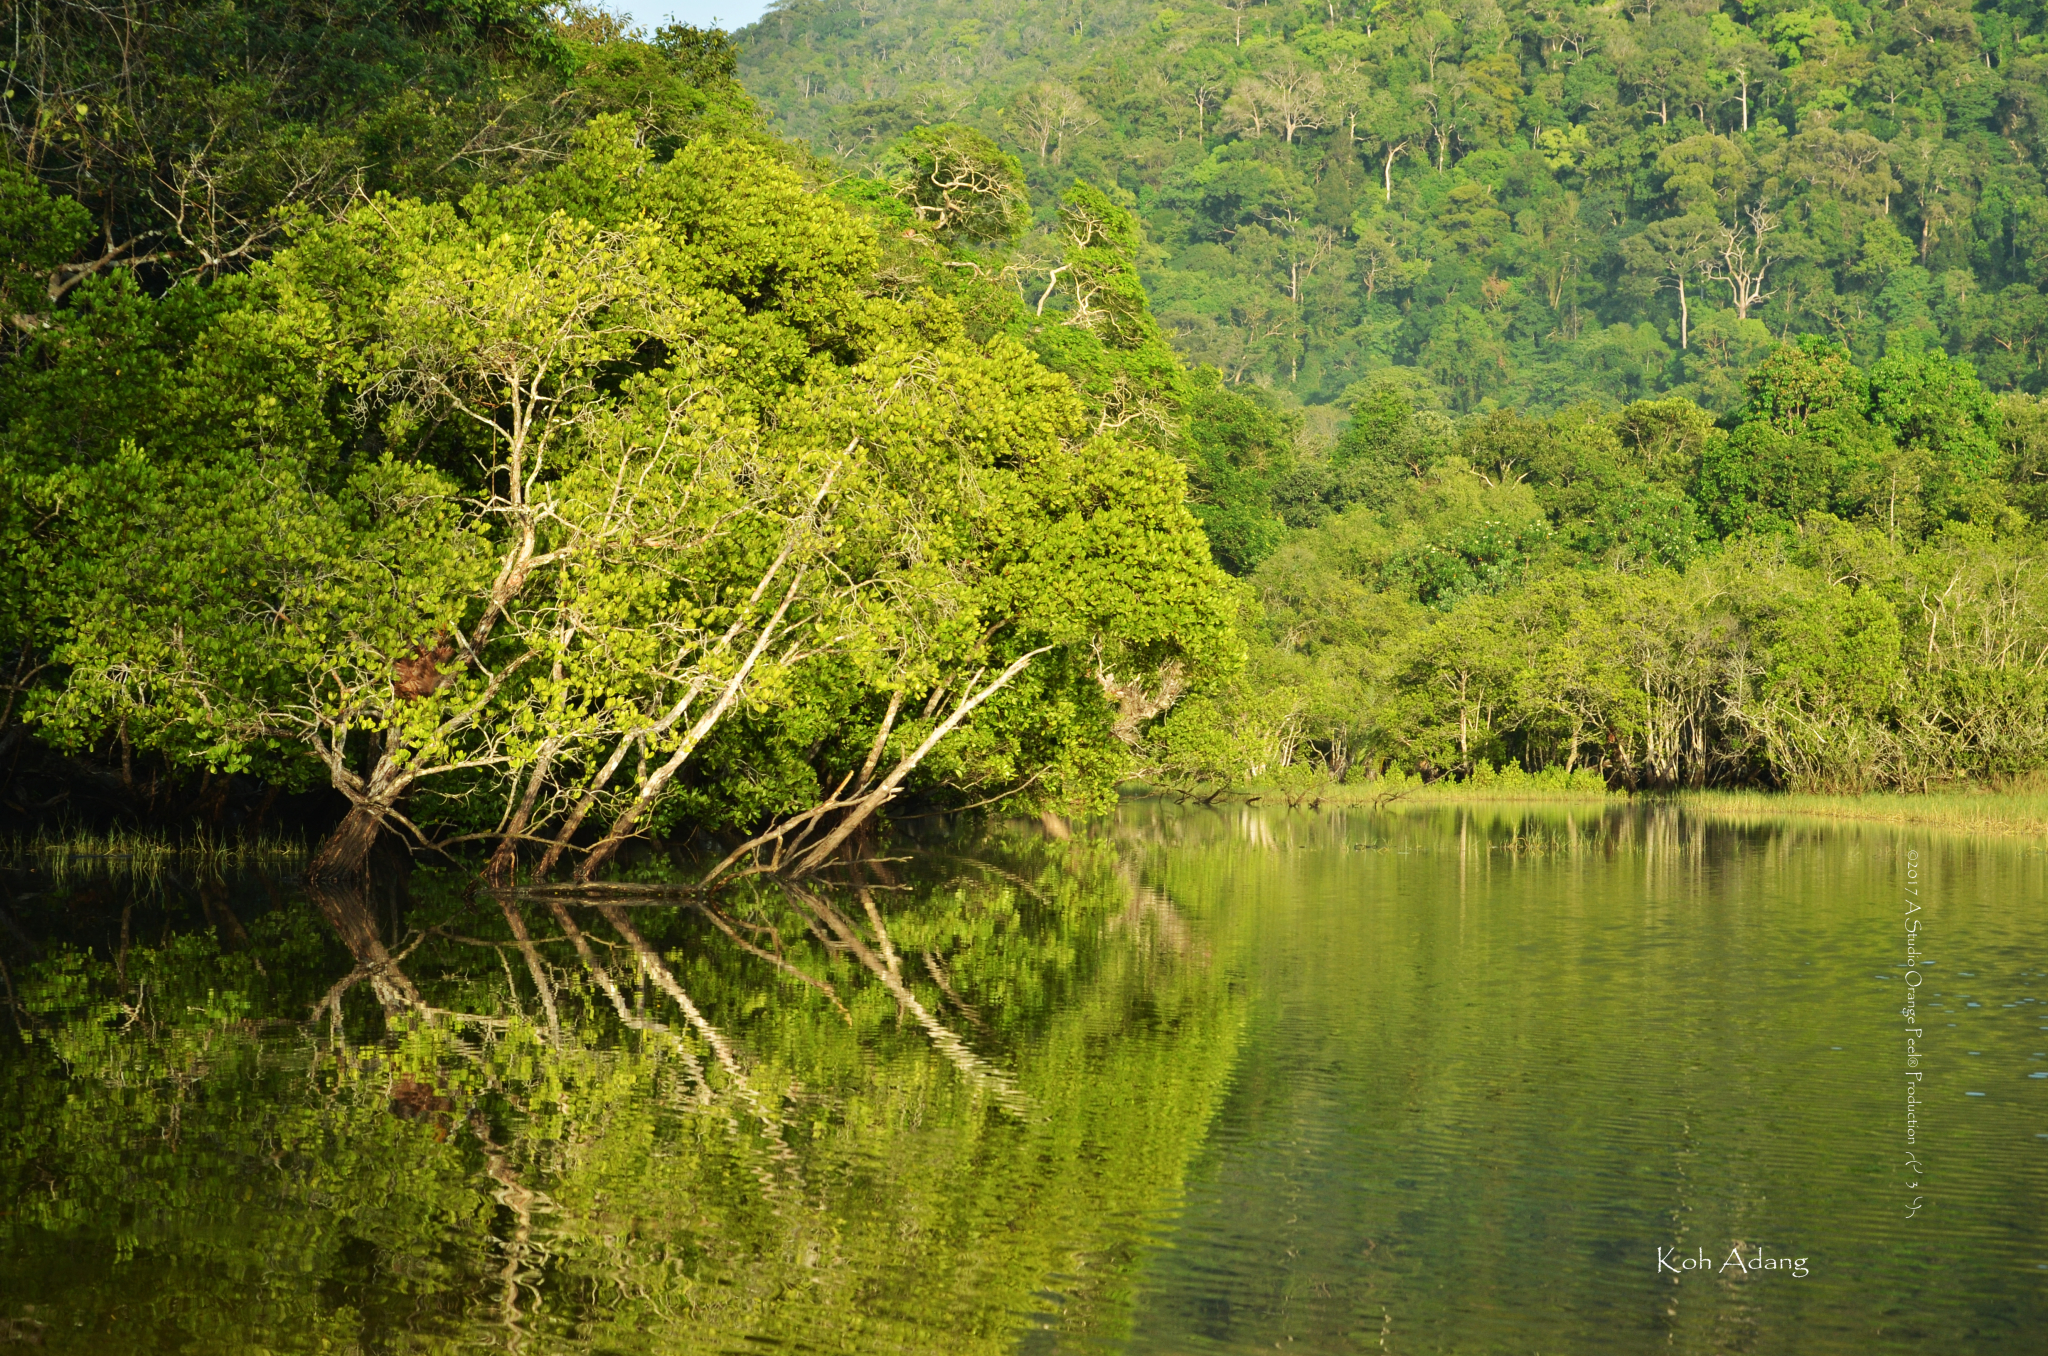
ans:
(1190, 1080)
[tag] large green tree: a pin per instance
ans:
(500, 510)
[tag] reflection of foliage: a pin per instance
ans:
(794, 1155)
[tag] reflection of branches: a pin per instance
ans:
(871, 946)
(13, 1003)
(517, 922)
(652, 965)
(618, 1000)
(1149, 905)
(356, 924)
(867, 903)
(395, 992)
(937, 971)
(666, 981)
(774, 958)
(349, 914)
(523, 1201)
(1022, 884)
(972, 1067)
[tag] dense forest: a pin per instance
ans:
(1643, 389)
(477, 416)
(1528, 203)
(485, 417)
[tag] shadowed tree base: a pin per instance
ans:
(345, 853)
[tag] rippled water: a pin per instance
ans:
(1191, 1080)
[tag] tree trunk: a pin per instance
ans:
(860, 810)
(504, 864)
(857, 811)
(345, 853)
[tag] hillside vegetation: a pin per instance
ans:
(1528, 203)
(1638, 389)
(478, 413)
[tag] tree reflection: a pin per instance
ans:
(896, 1114)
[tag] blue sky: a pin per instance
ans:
(726, 14)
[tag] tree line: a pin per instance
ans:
(1838, 587)
(1640, 393)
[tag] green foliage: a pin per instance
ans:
(1646, 596)
(1486, 557)
(195, 137)
(1642, 524)
(1945, 419)
(962, 186)
(43, 233)
(1536, 205)
(461, 504)
(1798, 384)
(1238, 448)
(171, 1120)
(469, 493)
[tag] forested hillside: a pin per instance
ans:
(475, 410)
(1639, 393)
(1529, 203)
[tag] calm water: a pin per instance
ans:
(1189, 1081)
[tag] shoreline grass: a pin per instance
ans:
(76, 852)
(1989, 811)
(2020, 810)
(1510, 783)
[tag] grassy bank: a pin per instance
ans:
(2020, 809)
(66, 853)
(2023, 811)
(1509, 783)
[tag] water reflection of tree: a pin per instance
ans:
(888, 1115)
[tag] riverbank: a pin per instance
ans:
(1510, 783)
(151, 852)
(2022, 810)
